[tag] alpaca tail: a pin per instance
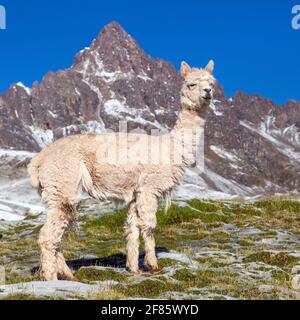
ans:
(33, 170)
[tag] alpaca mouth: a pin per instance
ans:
(207, 97)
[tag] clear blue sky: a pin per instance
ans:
(252, 42)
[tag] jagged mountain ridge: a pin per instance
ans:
(252, 146)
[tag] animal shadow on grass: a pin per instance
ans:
(113, 261)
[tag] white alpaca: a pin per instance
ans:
(72, 165)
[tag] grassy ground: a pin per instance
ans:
(218, 250)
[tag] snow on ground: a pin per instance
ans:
(17, 197)
(15, 153)
(189, 192)
(8, 214)
(34, 209)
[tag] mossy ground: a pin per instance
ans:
(90, 275)
(237, 249)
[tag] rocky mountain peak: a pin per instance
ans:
(114, 50)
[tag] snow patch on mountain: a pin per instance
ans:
(41, 136)
(225, 154)
(144, 77)
(52, 114)
(21, 85)
(290, 134)
(228, 186)
(214, 107)
(96, 127)
(264, 131)
(114, 108)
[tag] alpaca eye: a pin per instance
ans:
(192, 86)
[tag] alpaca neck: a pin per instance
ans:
(188, 135)
(189, 119)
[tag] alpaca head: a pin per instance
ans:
(198, 87)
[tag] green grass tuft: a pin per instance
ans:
(281, 259)
(148, 288)
(92, 274)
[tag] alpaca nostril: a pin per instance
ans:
(208, 90)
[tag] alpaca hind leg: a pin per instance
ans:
(49, 240)
(64, 272)
(132, 237)
(147, 207)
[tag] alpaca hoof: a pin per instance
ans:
(75, 279)
(69, 278)
(155, 271)
(48, 277)
(138, 272)
(135, 271)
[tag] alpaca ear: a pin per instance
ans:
(185, 69)
(210, 66)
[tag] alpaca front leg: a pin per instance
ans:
(48, 270)
(150, 256)
(147, 207)
(132, 236)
